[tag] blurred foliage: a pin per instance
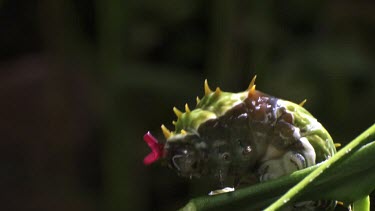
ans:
(124, 64)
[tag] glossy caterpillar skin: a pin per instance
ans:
(237, 137)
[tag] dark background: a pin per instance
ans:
(82, 81)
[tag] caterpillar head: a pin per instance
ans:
(187, 155)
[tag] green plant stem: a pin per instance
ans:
(361, 140)
(254, 196)
(362, 204)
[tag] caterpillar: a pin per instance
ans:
(240, 138)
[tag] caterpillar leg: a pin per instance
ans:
(289, 162)
(326, 205)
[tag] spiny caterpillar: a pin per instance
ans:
(240, 136)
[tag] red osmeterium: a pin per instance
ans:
(157, 149)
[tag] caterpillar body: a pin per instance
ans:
(242, 137)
